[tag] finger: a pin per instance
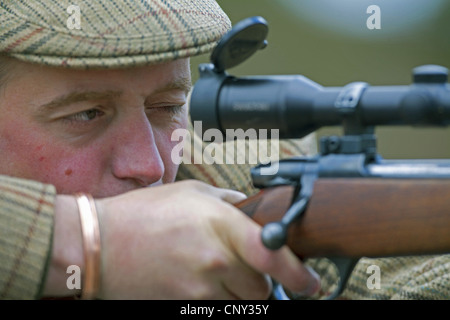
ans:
(282, 264)
(232, 196)
(222, 293)
(246, 283)
(227, 195)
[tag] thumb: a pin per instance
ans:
(282, 265)
(230, 196)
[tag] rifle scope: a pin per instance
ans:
(297, 106)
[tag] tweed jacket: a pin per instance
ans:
(26, 225)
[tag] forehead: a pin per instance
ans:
(36, 78)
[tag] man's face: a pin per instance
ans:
(99, 131)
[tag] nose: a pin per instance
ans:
(135, 153)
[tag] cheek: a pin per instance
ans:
(72, 170)
(28, 151)
(69, 170)
(165, 147)
(24, 152)
(170, 168)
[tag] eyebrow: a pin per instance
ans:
(75, 97)
(184, 84)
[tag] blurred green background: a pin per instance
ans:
(328, 41)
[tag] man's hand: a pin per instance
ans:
(186, 241)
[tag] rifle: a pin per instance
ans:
(347, 202)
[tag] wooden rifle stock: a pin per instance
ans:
(357, 217)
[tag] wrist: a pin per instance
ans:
(67, 249)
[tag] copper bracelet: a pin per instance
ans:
(91, 245)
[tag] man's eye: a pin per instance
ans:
(170, 110)
(85, 115)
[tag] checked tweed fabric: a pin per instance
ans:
(112, 33)
(26, 225)
(401, 278)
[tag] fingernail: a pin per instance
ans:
(314, 284)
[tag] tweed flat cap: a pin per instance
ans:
(109, 33)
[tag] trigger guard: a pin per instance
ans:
(278, 292)
(345, 267)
